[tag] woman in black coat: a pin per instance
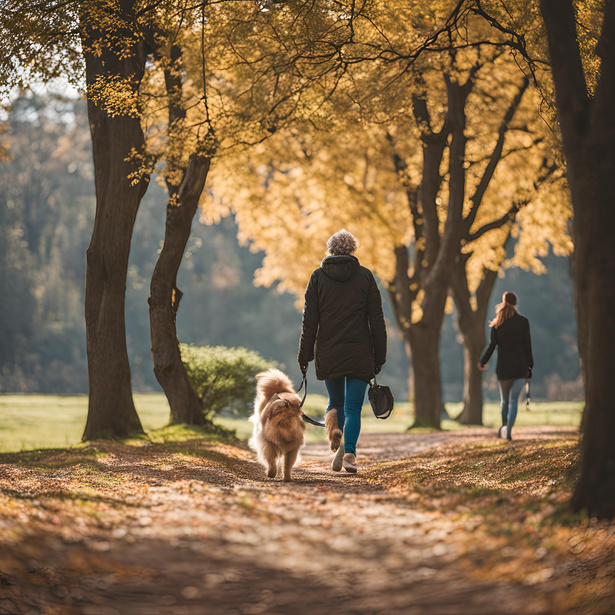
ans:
(510, 332)
(343, 330)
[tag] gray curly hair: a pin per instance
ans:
(342, 242)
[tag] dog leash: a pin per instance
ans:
(527, 394)
(305, 417)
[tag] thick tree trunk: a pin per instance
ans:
(595, 490)
(595, 295)
(473, 346)
(165, 296)
(185, 183)
(471, 320)
(437, 247)
(411, 387)
(111, 409)
(473, 309)
(434, 253)
(595, 272)
(588, 134)
(582, 331)
(425, 365)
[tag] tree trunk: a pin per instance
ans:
(472, 310)
(434, 254)
(588, 133)
(471, 320)
(595, 296)
(111, 409)
(473, 346)
(595, 272)
(411, 387)
(582, 334)
(165, 296)
(424, 342)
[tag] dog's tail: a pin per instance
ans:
(273, 381)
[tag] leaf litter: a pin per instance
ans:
(455, 522)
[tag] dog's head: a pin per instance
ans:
(290, 404)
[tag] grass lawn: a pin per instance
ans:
(47, 421)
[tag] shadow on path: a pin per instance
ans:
(206, 533)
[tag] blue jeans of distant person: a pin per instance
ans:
(510, 390)
(346, 395)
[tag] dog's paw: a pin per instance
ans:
(335, 440)
(271, 472)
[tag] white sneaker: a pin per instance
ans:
(336, 464)
(349, 463)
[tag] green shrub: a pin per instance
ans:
(223, 378)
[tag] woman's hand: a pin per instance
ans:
(482, 367)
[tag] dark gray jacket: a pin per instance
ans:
(514, 344)
(343, 325)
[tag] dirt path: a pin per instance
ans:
(208, 534)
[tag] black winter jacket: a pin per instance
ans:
(343, 325)
(514, 344)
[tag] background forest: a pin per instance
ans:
(46, 215)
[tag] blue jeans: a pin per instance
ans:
(346, 396)
(510, 390)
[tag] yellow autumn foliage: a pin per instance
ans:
(300, 186)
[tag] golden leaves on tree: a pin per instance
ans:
(116, 94)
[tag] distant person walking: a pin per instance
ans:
(343, 330)
(510, 332)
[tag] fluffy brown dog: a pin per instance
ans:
(278, 427)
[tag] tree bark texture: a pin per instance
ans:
(434, 250)
(111, 409)
(424, 347)
(472, 310)
(437, 250)
(471, 323)
(588, 134)
(582, 332)
(473, 345)
(185, 182)
(165, 296)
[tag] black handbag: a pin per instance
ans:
(381, 399)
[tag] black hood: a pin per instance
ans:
(340, 268)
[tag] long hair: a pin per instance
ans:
(504, 310)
